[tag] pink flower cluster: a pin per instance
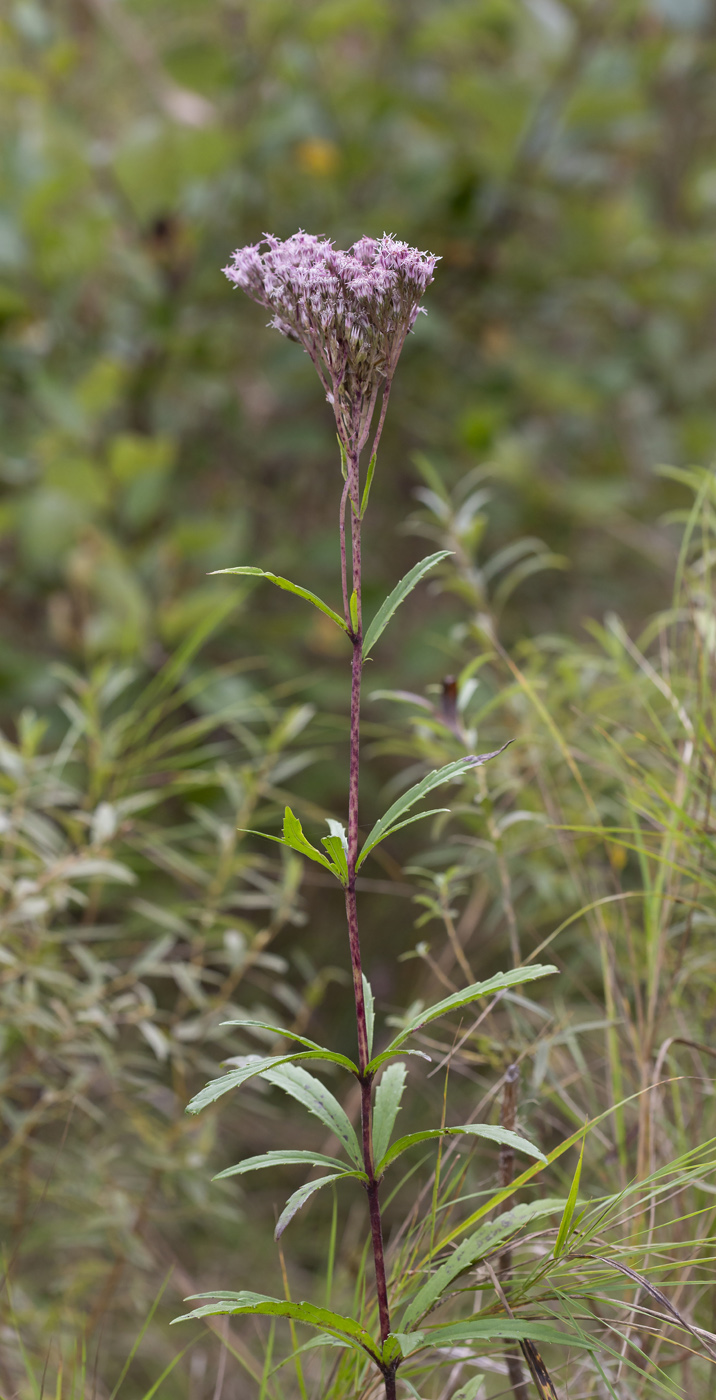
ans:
(351, 311)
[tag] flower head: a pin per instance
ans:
(351, 311)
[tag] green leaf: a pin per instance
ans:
(369, 1001)
(294, 837)
(398, 1345)
(387, 1103)
(339, 864)
(314, 1096)
(258, 1303)
(483, 1130)
(353, 609)
(302, 1040)
(432, 780)
(417, 817)
(304, 1193)
(280, 1157)
(381, 1059)
(290, 588)
(500, 982)
(570, 1207)
(471, 1389)
(249, 1066)
(394, 599)
(505, 1329)
(368, 484)
(477, 1245)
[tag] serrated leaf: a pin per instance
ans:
(334, 846)
(476, 1247)
(379, 1060)
(500, 982)
(399, 593)
(289, 587)
(387, 1103)
(258, 1303)
(280, 1157)
(369, 1001)
(293, 836)
(314, 1096)
(398, 1345)
(417, 817)
(304, 1193)
(505, 1329)
(251, 1065)
(503, 1136)
(569, 1209)
(301, 1039)
(418, 790)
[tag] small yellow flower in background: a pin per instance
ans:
(318, 156)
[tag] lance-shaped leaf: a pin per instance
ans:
(471, 1250)
(369, 1002)
(503, 1136)
(301, 1039)
(391, 819)
(304, 1193)
(394, 599)
(387, 1103)
(281, 1157)
(398, 1345)
(295, 838)
(569, 1209)
(290, 588)
(346, 1328)
(499, 983)
(493, 1329)
(249, 1066)
(314, 1096)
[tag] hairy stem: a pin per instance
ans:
(366, 1079)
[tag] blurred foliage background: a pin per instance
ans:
(558, 155)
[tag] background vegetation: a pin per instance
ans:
(558, 156)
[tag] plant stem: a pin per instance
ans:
(366, 1079)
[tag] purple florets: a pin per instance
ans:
(350, 311)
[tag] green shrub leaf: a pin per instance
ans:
(388, 822)
(569, 1209)
(249, 1066)
(290, 588)
(314, 1096)
(258, 1303)
(281, 1157)
(304, 1193)
(500, 982)
(401, 591)
(387, 1103)
(495, 1329)
(369, 1000)
(504, 1136)
(477, 1245)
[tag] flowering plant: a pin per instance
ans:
(351, 312)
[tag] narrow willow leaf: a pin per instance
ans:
(499, 983)
(302, 1040)
(258, 1303)
(569, 1209)
(369, 1001)
(418, 817)
(304, 1193)
(476, 1247)
(368, 484)
(314, 1096)
(248, 1066)
(387, 1103)
(290, 588)
(507, 1329)
(503, 1136)
(379, 1060)
(394, 599)
(431, 780)
(280, 1157)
